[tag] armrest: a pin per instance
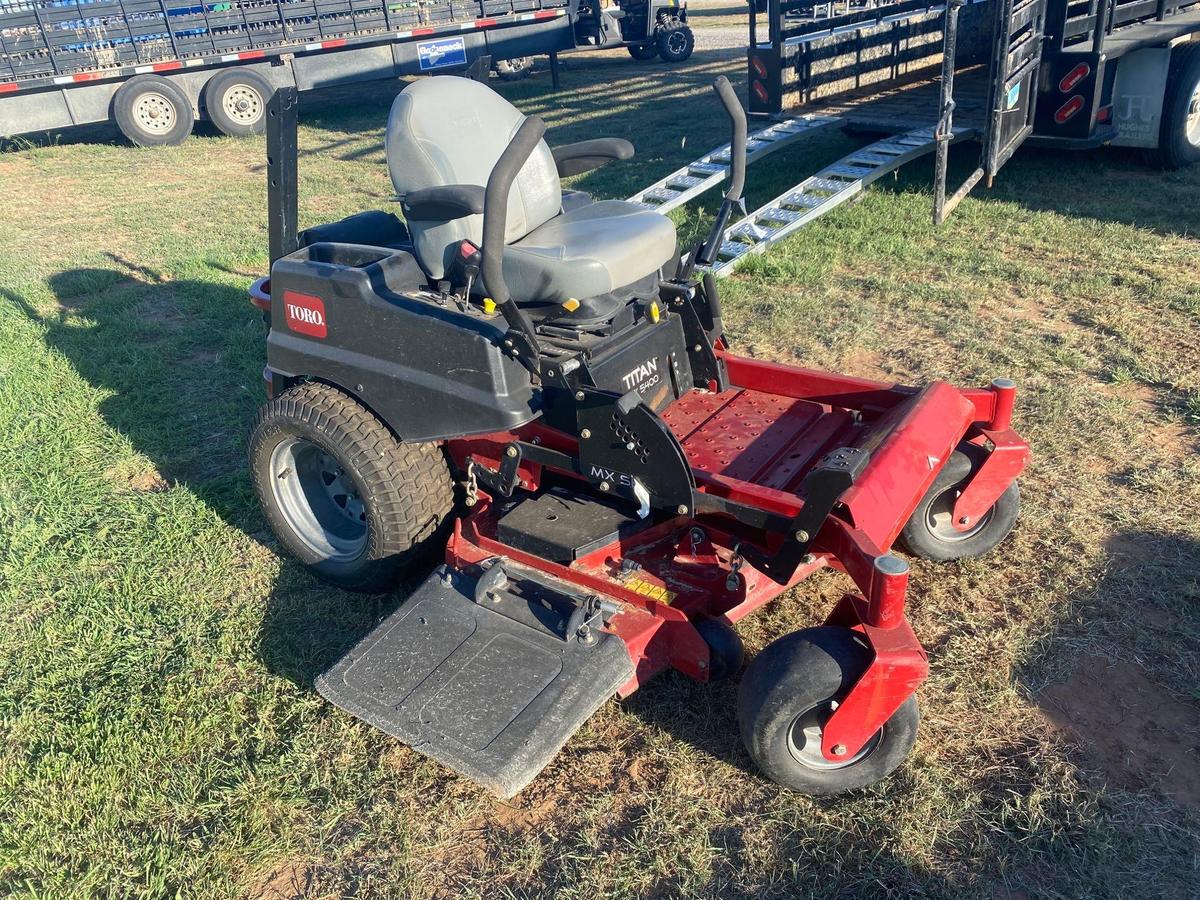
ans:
(583, 156)
(445, 201)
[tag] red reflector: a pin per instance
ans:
(1068, 109)
(1105, 114)
(87, 76)
(759, 90)
(167, 66)
(305, 314)
(484, 23)
(8, 88)
(546, 14)
(251, 54)
(418, 32)
(760, 71)
(1072, 78)
(334, 42)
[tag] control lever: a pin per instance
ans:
(706, 252)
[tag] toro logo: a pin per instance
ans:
(305, 314)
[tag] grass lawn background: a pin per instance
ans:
(160, 732)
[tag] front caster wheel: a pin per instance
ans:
(787, 695)
(346, 498)
(930, 532)
(725, 650)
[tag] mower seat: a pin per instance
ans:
(451, 131)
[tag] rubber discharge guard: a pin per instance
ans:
(489, 676)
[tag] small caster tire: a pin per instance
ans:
(791, 689)
(725, 649)
(930, 533)
(357, 506)
(236, 102)
(675, 41)
(152, 112)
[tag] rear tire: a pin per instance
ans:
(515, 69)
(153, 112)
(1179, 139)
(342, 494)
(644, 52)
(236, 102)
(929, 533)
(787, 694)
(674, 40)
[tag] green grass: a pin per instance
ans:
(161, 734)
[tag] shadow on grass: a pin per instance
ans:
(178, 363)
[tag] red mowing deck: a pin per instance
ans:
(763, 439)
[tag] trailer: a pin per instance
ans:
(154, 67)
(1073, 74)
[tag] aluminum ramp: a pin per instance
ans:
(822, 192)
(711, 169)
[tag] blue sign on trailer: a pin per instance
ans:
(442, 54)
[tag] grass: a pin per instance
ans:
(162, 737)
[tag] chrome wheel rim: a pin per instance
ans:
(243, 104)
(155, 113)
(1192, 122)
(939, 517)
(318, 500)
(804, 739)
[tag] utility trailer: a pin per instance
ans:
(155, 66)
(925, 74)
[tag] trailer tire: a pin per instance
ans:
(516, 69)
(929, 534)
(674, 40)
(236, 101)
(789, 690)
(342, 494)
(643, 52)
(152, 112)
(1179, 139)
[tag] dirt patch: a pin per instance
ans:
(1128, 727)
(140, 482)
(290, 880)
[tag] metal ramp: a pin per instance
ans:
(822, 192)
(711, 169)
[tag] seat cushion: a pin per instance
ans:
(589, 250)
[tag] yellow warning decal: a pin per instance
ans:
(648, 589)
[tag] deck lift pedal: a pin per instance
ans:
(611, 487)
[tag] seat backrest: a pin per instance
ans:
(450, 130)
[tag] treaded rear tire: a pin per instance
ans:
(405, 489)
(1174, 150)
(643, 52)
(675, 41)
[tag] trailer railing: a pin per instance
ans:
(40, 38)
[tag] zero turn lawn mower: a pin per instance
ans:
(540, 386)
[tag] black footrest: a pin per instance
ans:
(492, 689)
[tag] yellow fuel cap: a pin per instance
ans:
(654, 312)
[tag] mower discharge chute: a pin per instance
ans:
(537, 383)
